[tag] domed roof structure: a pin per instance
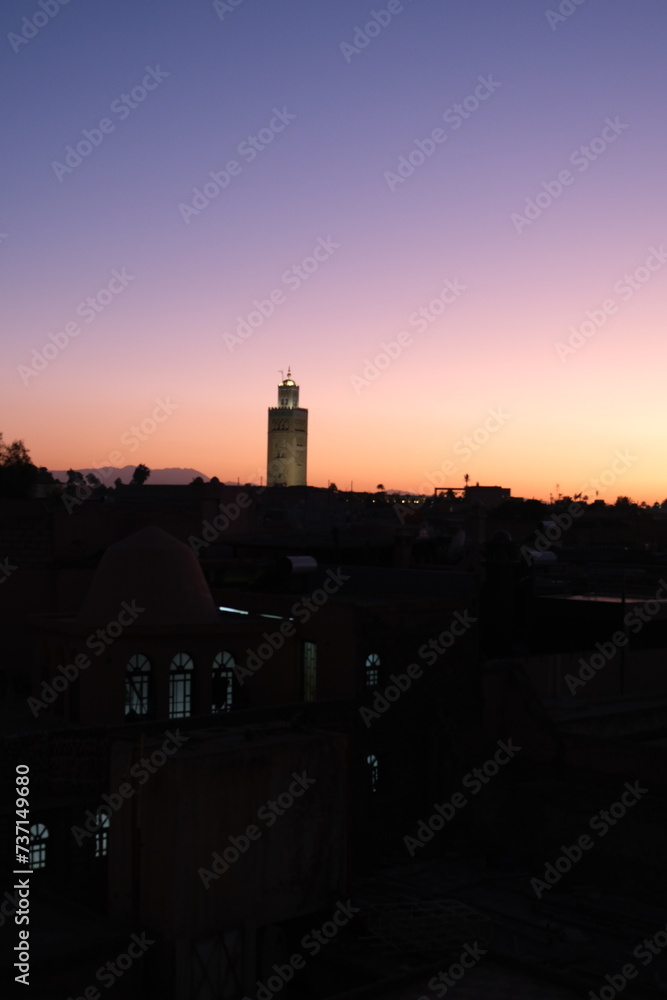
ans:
(156, 571)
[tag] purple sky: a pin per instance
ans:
(315, 213)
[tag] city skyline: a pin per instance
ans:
(333, 498)
(448, 220)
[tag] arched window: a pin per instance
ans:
(180, 686)
(222, 691)
(372, 670)
(102, 833)
(137, 685)
(373, 765)
(38, 837)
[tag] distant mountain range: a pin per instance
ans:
(164, 477)
(158, 477)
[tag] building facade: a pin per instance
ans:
(287, 438)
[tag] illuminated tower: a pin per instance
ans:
(288, 437)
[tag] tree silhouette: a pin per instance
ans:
(18, 475)
(15, 453)
(140, 475)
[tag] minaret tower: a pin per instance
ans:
(288, 437)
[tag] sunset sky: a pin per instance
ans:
(169, 92)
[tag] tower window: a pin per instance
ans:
(137, 683)
(374, 768)
(372, 670)
(180, 686)
(102, 834)
(222, 684)
(38, 837)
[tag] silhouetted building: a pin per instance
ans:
(288, 438)
(245, 708)
(487, 496)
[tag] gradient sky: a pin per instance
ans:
(167, 334)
